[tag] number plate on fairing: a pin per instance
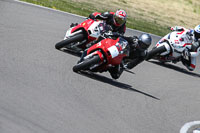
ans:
(113, 51)
(95, 29)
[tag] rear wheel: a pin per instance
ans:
(76, 38)
(155, 51)
(86, 63)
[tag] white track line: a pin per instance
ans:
(48, 8)
(188, 125)
(71, 14)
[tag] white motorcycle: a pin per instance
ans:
(173, 47)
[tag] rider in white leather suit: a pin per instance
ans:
(191, 37)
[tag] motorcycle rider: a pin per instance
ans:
(116, 20)
(137, 54)
(193, 37)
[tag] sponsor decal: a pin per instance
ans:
(83, 24)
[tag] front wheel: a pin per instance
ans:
(76, 38)
(86, 63)
(155, 51)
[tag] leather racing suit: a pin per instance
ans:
(136, 56)
(108, 17)
(187, 35)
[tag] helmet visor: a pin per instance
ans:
(197, 35)
(143, 45)
(119, 20)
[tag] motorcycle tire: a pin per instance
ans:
(86, 63)
(75, 38)
(155, 51)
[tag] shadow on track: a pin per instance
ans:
(179, 69)
(71, 52)
(114, 83)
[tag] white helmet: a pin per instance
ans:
(197, 32)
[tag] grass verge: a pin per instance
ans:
(84, 9)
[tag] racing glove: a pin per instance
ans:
(177, 28)
(111, 34)
(107, 34)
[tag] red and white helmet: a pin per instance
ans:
(119, 17)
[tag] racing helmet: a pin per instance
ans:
(144, 41)
(119, 17)
(197, 32)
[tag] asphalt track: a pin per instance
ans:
(39, 92)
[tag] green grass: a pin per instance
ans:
(84, 9)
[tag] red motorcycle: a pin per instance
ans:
(104, 55)
(79, 35)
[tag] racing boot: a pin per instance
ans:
(82, 56)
